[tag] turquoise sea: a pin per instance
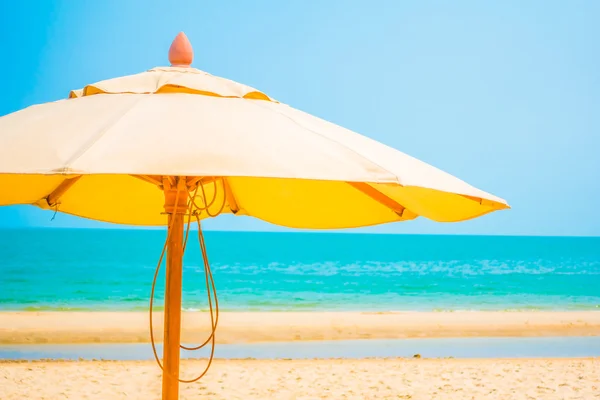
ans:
(61, 269)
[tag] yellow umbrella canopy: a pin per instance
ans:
(147, 149)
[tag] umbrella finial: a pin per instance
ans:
(181, 53)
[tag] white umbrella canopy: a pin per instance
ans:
(278, 164)
(171, 142)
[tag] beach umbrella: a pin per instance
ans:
(175, 143)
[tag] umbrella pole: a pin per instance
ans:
(172, 324)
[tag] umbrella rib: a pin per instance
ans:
(53, 198)
(378, 197)
(193, 181)
(153, 179)
(231, 201)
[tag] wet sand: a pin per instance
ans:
(310, 379)
(250, 327)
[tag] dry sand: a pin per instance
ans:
(303, 379)
(311, 379)
(239, 327)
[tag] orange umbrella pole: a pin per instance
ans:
(176, 207)
(176, 196)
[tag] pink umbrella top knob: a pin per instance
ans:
(181, 53)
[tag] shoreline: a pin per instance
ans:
(73, 327)
(559, 347)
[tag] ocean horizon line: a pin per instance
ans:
(290, 231)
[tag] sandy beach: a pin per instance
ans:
(311, 379)
(247, 327)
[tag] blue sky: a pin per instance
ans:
(505, 95)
